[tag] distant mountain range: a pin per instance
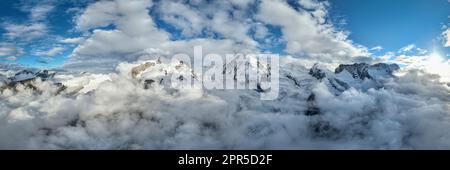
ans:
(294, 78)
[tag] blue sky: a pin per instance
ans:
(393, 24)
(59, 24)
(386, 23)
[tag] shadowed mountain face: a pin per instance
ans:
(363, 70)
(26, 75)
(355, 106)
(295, 81)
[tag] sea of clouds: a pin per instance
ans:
(412, 111)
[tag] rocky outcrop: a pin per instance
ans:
(357, 70)
(27, 78)
(360, 76)
(139, 69)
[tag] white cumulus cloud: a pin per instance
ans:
(307, 33)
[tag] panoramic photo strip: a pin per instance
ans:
(179, 76)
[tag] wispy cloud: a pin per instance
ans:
(25, 32)
(10, 51)
(376, 48)
(407, 48)
(51, 53)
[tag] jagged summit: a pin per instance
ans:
(363, 70)
(26, 75)
(360, 76)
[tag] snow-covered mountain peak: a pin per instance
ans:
(357, 70)
(360, 76)
(25, 75)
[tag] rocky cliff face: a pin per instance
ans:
(357, 70)
(27, 78)
(133, 108)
